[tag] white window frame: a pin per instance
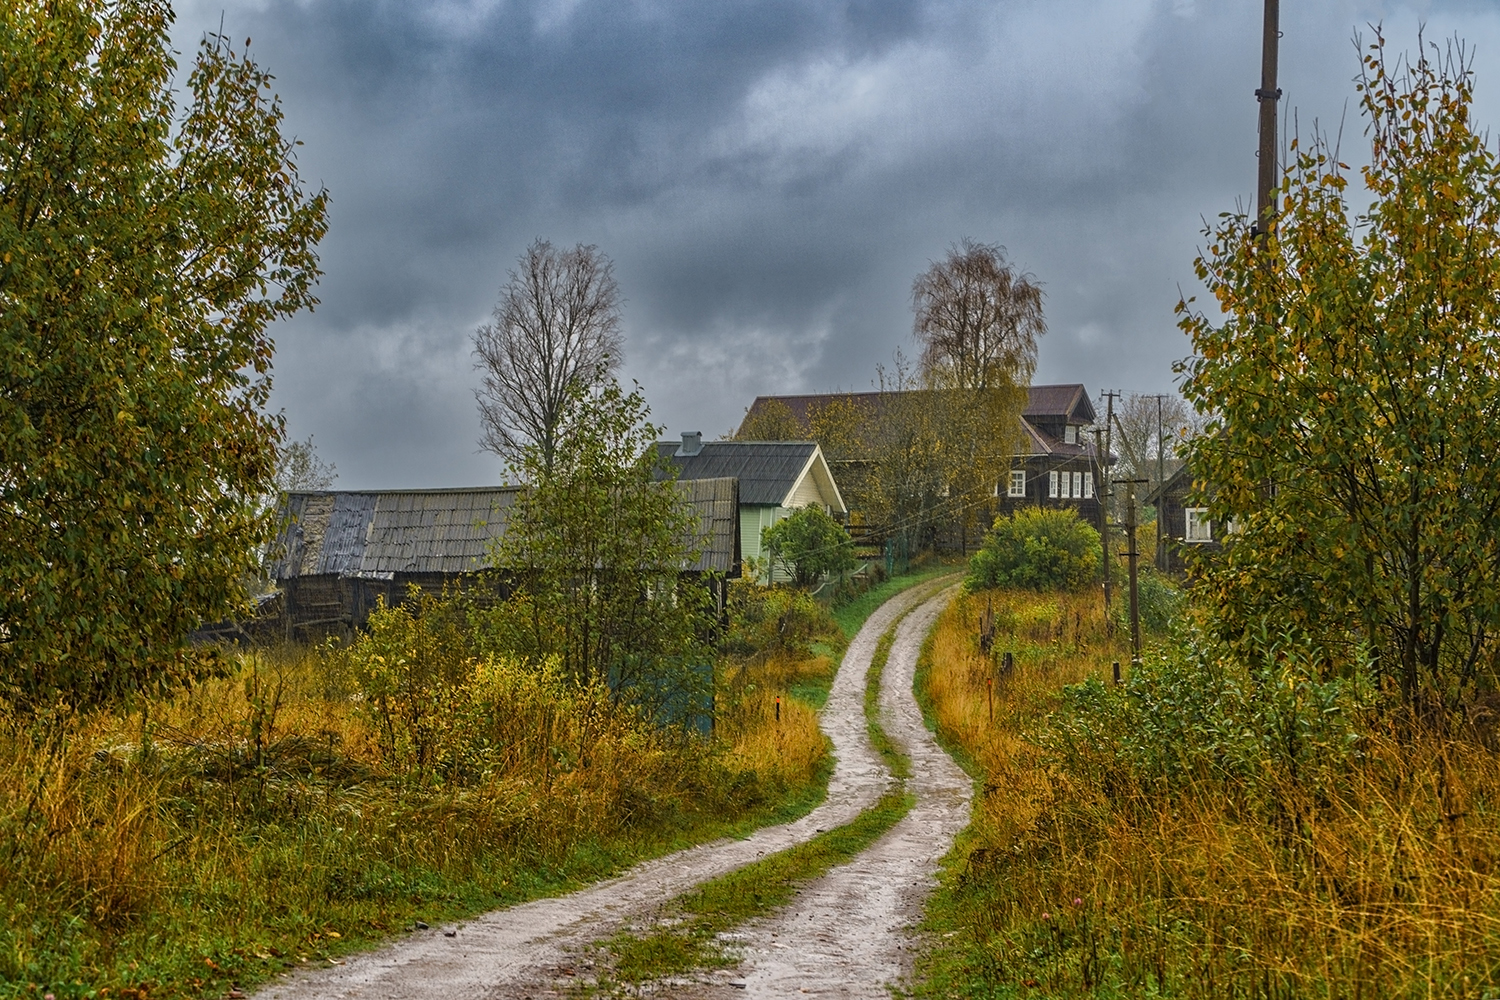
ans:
(1070, 434)
(1077, 486)
(1197, 529)
(1017, 486)
(1067, 485)
(1052, 485)
(1088, 486)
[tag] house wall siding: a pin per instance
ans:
(1037, 492)
(807, 493)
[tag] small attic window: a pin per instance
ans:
(1070, 434)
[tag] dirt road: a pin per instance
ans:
(848, 934)
(522, 951)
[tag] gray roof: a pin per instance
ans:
(717, 504)
(767, 470)
(379, 533)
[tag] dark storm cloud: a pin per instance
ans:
(769, 177)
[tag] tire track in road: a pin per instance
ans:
(516, 952)
(850, 933)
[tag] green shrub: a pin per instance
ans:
(1160, 601)
(1194, 710)
(809, 545)
(776, 620)
(1037, 549)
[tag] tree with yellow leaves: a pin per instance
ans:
(1354, 377)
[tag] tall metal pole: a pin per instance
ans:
(1268, 94)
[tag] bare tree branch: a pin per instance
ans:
(557, 323)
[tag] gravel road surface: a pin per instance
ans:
(528, 950)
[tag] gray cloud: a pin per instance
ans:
(769, 177)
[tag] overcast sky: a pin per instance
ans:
(768, 178)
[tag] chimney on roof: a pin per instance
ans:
(692, 443)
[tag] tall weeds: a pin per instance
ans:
(1212, 828)
(324, 796)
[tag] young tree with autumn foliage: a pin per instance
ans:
(1354, 377)
(145, 248)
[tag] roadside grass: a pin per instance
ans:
(1371, 871)
(686, 936)
(276, 819)
(270, 820)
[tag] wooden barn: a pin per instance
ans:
(339, 552)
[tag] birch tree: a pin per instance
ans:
(145, 249)
(556, 326)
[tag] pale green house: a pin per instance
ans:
(775, 477)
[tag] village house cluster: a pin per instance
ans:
(340, 552)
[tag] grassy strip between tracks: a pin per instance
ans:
(688, 936)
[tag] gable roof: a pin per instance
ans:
(378, 533)
(1068, 402)
(768, 471)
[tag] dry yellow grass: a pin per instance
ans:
(1378, 878)
(253, 820)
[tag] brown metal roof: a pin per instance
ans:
(1068, 402)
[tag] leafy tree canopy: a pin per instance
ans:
(144, 250)
(773, 421)
(597, 542)
(1355, 376)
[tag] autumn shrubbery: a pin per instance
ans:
(327, 795)
(1217, 825)
(1037, 548)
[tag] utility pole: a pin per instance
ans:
(1267, 94)
(1156, 559)
(1133, 556)
(1109, 492)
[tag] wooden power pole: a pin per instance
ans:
(1133, 556)
(1268, 94)
(1108, 493)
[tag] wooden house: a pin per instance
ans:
(1187, 531)
(339, 552)
(1058, 465)
(775, 478)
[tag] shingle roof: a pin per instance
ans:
(381, 532)
(767, 470)
(378, 533)
(717, 504)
